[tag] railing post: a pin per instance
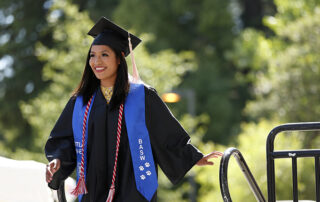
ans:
(317, 167)
(294, 179)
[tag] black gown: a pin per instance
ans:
(170, 144)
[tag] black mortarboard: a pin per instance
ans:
(106, 32)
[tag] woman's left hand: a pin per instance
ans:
(205, 160)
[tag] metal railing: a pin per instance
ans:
(244, 168)
(293, 154)
(271, 156)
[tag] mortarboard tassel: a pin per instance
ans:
(135, 72)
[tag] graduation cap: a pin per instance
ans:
(106, 32)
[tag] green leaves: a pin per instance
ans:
(288, 87)
(164, 69)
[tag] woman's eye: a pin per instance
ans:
(105, 54)
(91, 55)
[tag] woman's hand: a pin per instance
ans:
(205, 160)
(52, 167)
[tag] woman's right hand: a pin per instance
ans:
(51, 168)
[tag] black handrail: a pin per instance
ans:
(61, 193)
(246, 171)
(293, 154)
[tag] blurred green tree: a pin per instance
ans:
(20, 71)
(285, 67)
(284, 71)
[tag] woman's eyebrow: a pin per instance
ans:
(100, 51)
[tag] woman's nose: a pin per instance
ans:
(97, 60)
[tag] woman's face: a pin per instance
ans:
(104, 64)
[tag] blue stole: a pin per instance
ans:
(77, 122)
(140, 147)
(139, 141)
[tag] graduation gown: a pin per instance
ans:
(170, 145)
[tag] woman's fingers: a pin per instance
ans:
(204, 162)
(209, 163)
(205, 159)
(52, 168)
(56, 165)
(48, 174)
(214, 154)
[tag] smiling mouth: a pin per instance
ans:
(100, 69)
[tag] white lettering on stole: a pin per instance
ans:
(78, 144)
(142, 158)
(141, 152)
(79, 151)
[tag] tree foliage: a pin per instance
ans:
(20, 71)
(285, 66)
(283, 69)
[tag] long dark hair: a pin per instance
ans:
(89, 82)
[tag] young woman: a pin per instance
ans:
(117, 132)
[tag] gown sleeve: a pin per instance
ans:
(60, 145)
(170, 143)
